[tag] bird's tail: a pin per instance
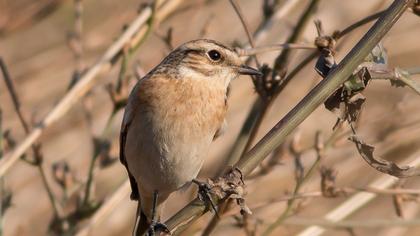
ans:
(142, 224)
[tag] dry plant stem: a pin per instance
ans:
(358, 24)
(358, 200)
(78, 30)
(35, 147)
(397, 75)
(345, 192)
(86, 82)
(256, 111)
(13, 94)
(413, 70)
(242, 139)
(282, 60)
(376, 223)
(262, 30)
(121, 194)
(290, 202)
(95, 155)
(274, 47)
(238, 11)
(300, 112)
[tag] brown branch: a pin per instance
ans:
(275, 47)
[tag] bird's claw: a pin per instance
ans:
(204, 194)
(156, 228)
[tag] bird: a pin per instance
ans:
(171, 118)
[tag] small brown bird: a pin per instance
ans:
(172, 116)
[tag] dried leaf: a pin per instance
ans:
(325, 63)
(358, 81)
(62, 174)
(384, 166)
(354, 106)
(328, 186)
(347, 101)
(231, 186)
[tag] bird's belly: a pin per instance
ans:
(165, 155)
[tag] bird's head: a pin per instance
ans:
(209, 60)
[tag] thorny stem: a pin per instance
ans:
(301, 111)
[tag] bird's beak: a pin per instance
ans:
(247, 70)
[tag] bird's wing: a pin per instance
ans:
(127, 119)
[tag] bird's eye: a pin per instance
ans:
(214, 55)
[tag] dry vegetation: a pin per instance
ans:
(67, 67)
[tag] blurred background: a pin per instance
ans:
(46, 46)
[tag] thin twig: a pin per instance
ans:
(75, 41)
(280, 63)
(274, 47)
(36, 148)
(290, 203)
(359, 23)
(238, 11)
(121, 193)
(13, 94)
(366, 223)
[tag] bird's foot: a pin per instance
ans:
(204, 194)
(156, 228)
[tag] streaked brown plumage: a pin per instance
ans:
(172, 116)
